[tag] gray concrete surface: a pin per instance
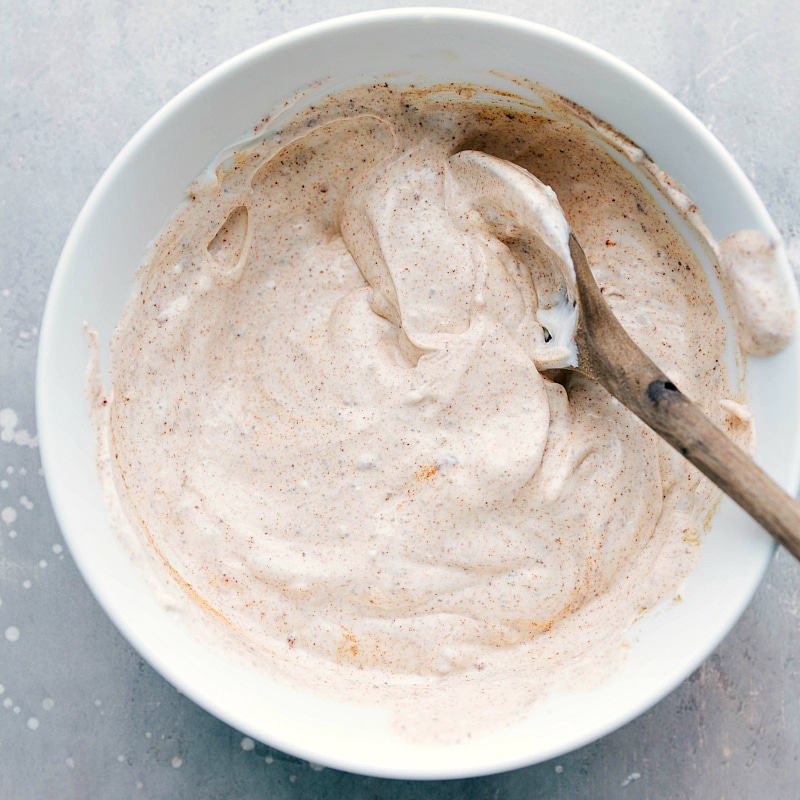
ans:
(81, 715)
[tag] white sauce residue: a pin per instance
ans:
(758, 291)
(335, 431)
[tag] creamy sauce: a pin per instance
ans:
(335, 423)
(758, 294)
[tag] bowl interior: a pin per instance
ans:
(138, 194)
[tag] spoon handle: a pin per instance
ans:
(608, 355)
(683, 424)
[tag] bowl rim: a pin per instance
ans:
(501, 24)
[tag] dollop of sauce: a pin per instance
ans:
(757, 291)
(339, 422)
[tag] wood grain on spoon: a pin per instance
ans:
(609, 356)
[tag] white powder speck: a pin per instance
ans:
(24, 502)
(4, 484)
(24, 439)
(6, 292)
(148, 735)
(42, 564)
(26, 584)
(2, 689)
(23, 471)
(8, 515)
(9, 470)
(1, 602)
(12, 633)
(177, 762)
(316, 767)
(57, 548)
(8, 702)
(98, 703)
(559, 769)
(8, 432)
(33, 723)
(248, 743)
(139, 785)
(12, 534)
(634, 776)
(8, 421)
(269, 759)
(293, 779)
(17, 709)
(48, 703)
(120, 758)
(70, 762)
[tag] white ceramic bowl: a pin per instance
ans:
(138, 194)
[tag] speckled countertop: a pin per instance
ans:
(81, 715)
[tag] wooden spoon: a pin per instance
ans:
(609, 356)
(517, 207)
